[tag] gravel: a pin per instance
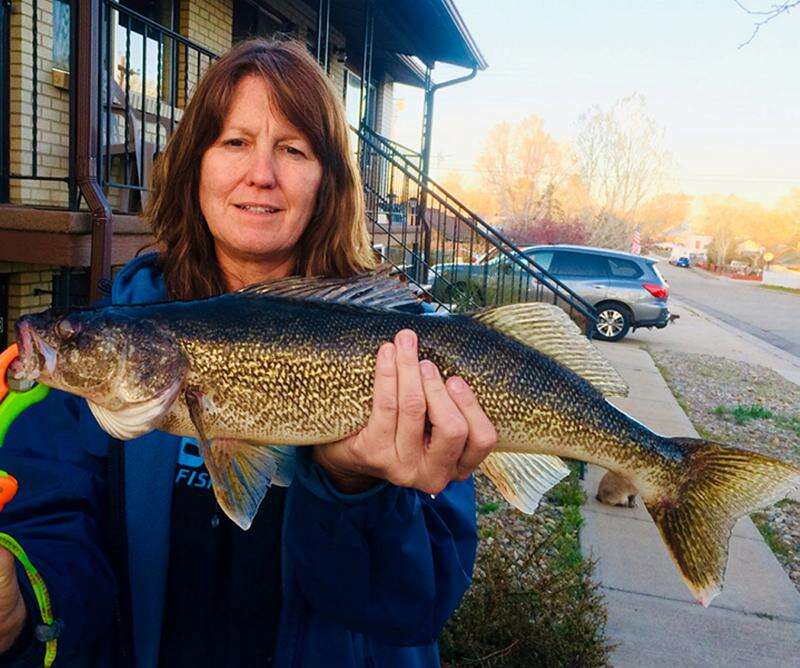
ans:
(709, 388)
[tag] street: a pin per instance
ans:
(770, 315)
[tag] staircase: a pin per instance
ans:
(453, 257)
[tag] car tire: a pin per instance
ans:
(613, 322)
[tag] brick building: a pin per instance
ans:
(90, 90)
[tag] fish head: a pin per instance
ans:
(105, 356)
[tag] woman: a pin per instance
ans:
(364, 558)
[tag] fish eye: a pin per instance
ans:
(66, 328)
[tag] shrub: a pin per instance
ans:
(532, 601)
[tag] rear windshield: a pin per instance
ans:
(656, 272)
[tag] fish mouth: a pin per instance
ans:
(35, 355)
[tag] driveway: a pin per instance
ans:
(770, 315)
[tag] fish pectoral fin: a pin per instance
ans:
(548, 329)
(135, 419)
(523, 479)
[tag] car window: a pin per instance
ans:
(570, 263)
(620, 268)
(542, 258)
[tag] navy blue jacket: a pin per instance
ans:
(368, 579)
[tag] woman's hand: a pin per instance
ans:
(395, 444)
(12, 605)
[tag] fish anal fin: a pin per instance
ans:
(523, 479)
(719, 485)
(548, 329)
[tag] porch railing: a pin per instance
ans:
(149, 74)
(442, 247)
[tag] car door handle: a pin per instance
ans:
(599, 286)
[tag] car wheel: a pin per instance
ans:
(613, 322)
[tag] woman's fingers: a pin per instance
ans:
(448, 432)
(411, 403)
(383, 420)
(482, 435)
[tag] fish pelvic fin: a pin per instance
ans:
(523, 479)
(241, 472)
(719, 485)
(549, 330)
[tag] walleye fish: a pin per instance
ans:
(292, 363)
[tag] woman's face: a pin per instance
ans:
(258, 183)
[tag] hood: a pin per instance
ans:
(139, 282)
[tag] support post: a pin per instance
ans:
(427, 139)
(366, 73)
(323, 32)
(88, 89)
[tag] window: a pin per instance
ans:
(136, 59)
(253, 20)
(542, 258)
(571, 263)
(352, 99)
(624, 268)
(61, 34)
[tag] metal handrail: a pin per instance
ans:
(479, 227)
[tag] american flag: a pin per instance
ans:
(636, 241)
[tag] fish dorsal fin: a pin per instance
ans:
(366, 290)
(548, 329)
(521, 478)
(135, 419)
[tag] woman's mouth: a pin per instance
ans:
(258, 209)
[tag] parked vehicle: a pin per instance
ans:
(627, 290)
(681, 261)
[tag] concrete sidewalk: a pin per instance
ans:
(651, 614)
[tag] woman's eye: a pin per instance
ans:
(291, 150)
(234, 142)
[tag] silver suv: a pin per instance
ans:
(626, 290)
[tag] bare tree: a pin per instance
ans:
(766, 15)
(523, 166)
(620, 157)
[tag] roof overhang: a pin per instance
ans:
(431, 30)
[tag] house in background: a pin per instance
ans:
(92, 89)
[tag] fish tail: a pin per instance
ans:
(718, 486)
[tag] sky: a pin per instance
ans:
(731, 115)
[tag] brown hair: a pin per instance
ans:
(335, 242)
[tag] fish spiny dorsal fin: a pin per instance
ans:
(523, 479)
(548, 329)
(366, 290)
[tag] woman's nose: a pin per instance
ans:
(261, 170)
